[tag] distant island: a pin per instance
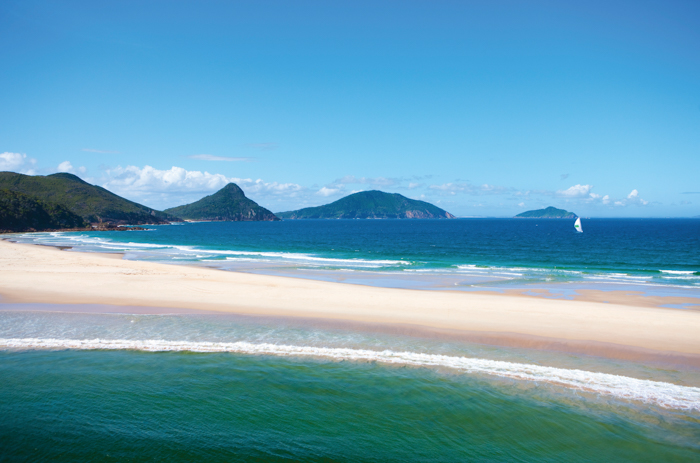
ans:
(548, 213)
(227, 204)
(371, 205)
(53, 193)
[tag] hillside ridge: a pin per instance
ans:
(227, 204)
(373, 204)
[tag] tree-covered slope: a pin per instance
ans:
(19, 212)
(91, 202)
(371, 205)
(227, 204)
(548, 213)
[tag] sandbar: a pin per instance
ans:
(40, 274)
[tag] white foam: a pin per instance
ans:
(678, 272)
(306, 257)
(666, 395)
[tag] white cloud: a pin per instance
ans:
(10, 161)
(576, 191)
(632, 199)
(149, 179)
(327, 191)
(521, 204)
(413, 186)
(17, 162)
(66, 166)
(288, 190)
(211, 157)
(175, 186)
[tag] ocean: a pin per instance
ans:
(466, 254)
(106, 384)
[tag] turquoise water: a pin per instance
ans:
(128, 387)
(102, 406)
(136, 404)
(656, 254)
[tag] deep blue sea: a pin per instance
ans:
(78, 384)
(462, 253)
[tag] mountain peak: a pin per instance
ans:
(227, 204)
(373, 204)
(231, 188)
(67, 176)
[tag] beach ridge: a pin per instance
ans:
(40, 274)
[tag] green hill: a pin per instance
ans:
(371, 205)
(227, 204)
(548, 213)
(19, 213)
(92, 203)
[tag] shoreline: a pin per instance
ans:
(603, 350)
(34, 274)
(631, 293)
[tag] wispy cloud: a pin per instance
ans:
(469, 189)
(90, 150)
(377, 181)
(211, 157)
(564, 176)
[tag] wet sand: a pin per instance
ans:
(34, 274)
(631, 298)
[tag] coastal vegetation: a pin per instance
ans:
(371, 205)
(19, 213)
(547, 213)
(227, 204)
(92, 203)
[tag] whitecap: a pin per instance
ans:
(666, 395)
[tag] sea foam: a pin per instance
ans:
(663, 394)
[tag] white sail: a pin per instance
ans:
(577, 225)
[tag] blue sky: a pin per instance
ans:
(482, 107)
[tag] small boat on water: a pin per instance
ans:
(577, 225)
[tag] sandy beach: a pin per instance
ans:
(40, 274)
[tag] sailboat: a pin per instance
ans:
(577, 225)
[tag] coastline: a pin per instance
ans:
(35, 274)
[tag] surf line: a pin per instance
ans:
(666, 395)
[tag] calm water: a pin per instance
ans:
(100, 387)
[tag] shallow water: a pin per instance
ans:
(136, 406)
(128, 386)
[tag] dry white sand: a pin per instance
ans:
(42, 274)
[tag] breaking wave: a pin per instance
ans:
(663, 394)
